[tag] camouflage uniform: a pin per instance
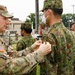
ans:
(26, 41)
(62, 59)
(22, 62)
(5, 45)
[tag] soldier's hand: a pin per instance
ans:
(45, 48)
(36, 45)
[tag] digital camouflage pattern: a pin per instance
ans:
(21, 63)
(55, 4)
(62, 59)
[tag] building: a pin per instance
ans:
(14, 26)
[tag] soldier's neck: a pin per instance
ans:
(54, 21)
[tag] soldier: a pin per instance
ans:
(27, 39)
(73, 28)
(24, 60)
(61, 61)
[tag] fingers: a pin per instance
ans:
(49, 45)
(39, 41)
(36, 44)
(45, 48)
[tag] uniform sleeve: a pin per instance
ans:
(21, 65)
(52, 40)
(24, 52)
(20, 53)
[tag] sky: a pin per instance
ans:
(22, 8)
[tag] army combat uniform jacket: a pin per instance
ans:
(62, 59)
(22, 62)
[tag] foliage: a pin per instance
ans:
(27, 20)
(32, 19)
(67, 19)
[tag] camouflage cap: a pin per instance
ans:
(4, 12)
(54, 4)
(26, 25)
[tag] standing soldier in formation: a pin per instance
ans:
(24, 60)
(26, 40)
(61, 61)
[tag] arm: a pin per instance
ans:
(30, 49)
(20, 65)
(23, 64)
(24, 52)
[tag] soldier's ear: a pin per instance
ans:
(49, 11)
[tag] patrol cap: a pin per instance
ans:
(26, 25)
(4, 12)
(53, 4)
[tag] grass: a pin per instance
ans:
(38, 70)
(14, 46)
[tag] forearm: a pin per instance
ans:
(23, 64)
(24, 52)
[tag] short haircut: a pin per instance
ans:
(57, 11)
(28, 30)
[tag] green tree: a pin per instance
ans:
(67, 19)
(32, 19)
